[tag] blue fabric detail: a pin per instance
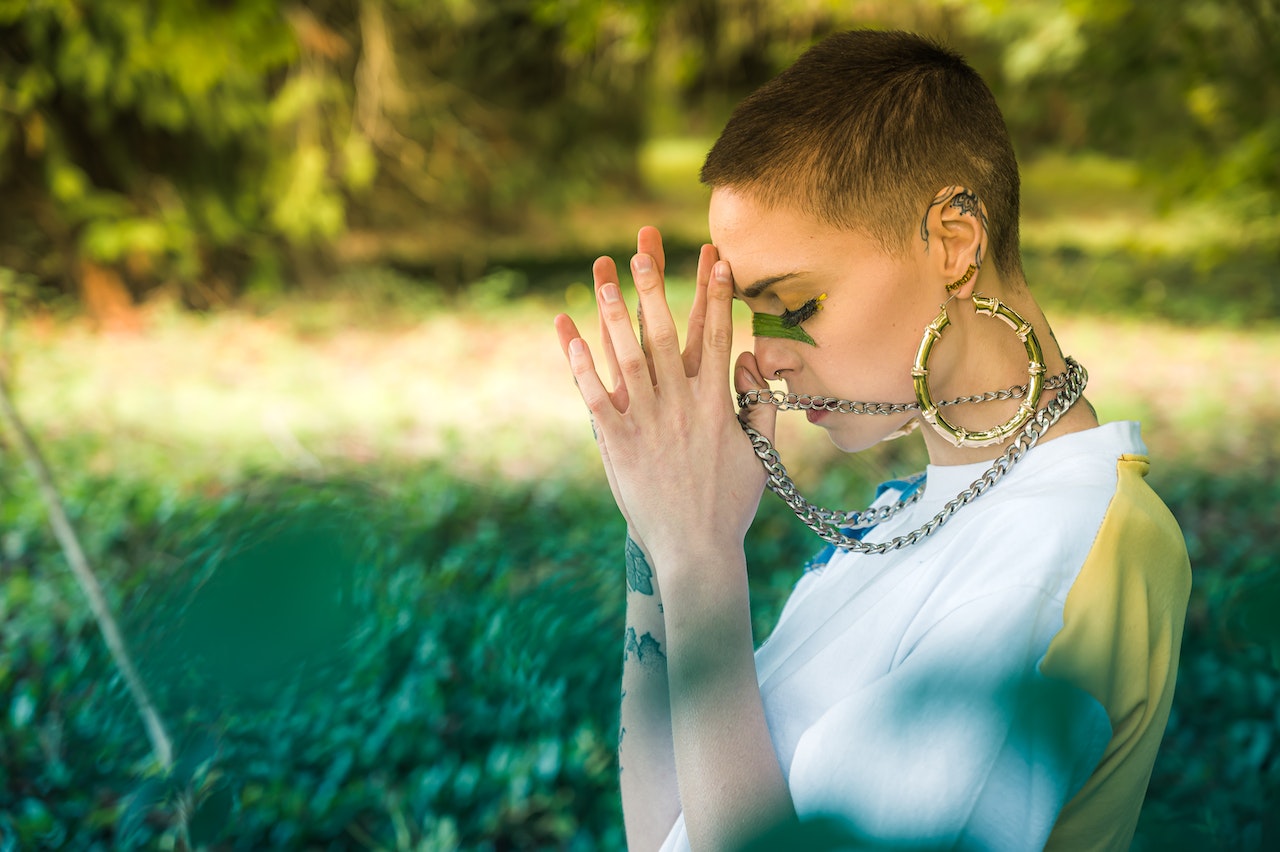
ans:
(906, 487)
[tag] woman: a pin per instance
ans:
(984, 660)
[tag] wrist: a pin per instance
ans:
(696, 576)
(679, 554)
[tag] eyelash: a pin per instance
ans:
(805, 312)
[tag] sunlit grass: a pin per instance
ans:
(315, 386)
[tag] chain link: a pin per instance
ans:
(803, 401)
(828, 524)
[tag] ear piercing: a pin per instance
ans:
(963, 280)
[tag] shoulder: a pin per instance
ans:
(1039, 525)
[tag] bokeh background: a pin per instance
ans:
(278, 281)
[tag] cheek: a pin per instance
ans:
(876, 362)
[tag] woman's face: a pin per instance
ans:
(868, 328)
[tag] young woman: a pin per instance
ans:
(985, 658)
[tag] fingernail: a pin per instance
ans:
(577, 347)
(721, 271)
(642, 263)
(609, 293)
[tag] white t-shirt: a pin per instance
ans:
(904, 692)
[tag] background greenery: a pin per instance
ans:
(278, 281)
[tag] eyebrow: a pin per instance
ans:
(764, 284)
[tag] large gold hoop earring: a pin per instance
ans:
(991, 307)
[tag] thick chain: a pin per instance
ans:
(828, 524)
(803, 401)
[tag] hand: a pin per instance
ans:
(648, 241)
(681, 469)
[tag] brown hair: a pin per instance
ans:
(864, 130)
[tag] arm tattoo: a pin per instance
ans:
(639, 574)
(647, 651)
(622, 732)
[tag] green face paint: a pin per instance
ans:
(771, 325)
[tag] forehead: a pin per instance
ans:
(761, 240)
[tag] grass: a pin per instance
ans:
(306, 386)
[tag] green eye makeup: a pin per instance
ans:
(787, 325)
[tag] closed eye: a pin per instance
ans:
(791, 319)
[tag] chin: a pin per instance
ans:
(854, 441)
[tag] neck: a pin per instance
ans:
(980, 353)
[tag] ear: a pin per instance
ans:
(955, 233)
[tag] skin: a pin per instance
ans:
(687, 483)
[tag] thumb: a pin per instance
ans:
(746, 376)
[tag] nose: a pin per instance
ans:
(775, 357)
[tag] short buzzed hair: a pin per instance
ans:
(864, 130)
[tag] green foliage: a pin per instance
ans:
(135, 134)
(1217, 778)
(223, 145)
(431, 660)
(1189, 88)
(339, 663)
(203, 142)
(1238, 290)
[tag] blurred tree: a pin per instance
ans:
(477, 110)
(713, 53)
(1190, 89)
(133, 139)
(204, 143)
(214, 145)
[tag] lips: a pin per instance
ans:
(816, 414)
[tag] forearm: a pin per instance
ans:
(731, 785)
(646, 758)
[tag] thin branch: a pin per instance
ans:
(161, 745)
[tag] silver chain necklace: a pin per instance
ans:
(803, 401)
(829, 524)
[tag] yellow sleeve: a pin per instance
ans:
(1120, 640)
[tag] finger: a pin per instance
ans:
(692, 354)
(717, 338)
(603, 271)
(594, 393)
(661, 341)
(567, 331)
(746, 376)
(632, 365)
(649, 241)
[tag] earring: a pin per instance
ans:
(912, 425)
(991, 307)
(963, 280)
